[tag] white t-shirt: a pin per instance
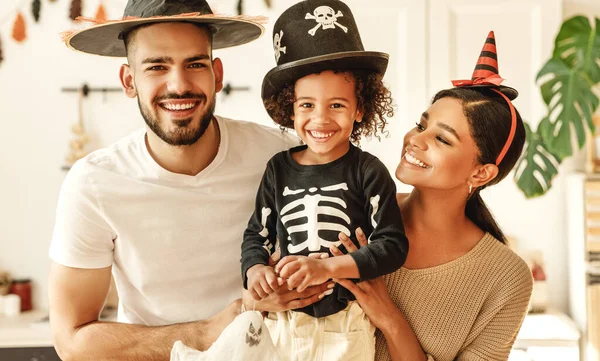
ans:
(174, 240)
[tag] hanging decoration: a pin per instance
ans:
(240, 7)
(1, 56)
(77, 145)
(19, 22)
(19, 30)
(100, 13)
(36, 6)
(75, 9)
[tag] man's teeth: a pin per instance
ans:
(316, 134)
(415, 161)
(178, 106)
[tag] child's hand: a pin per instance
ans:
(301, 271)
(262, 281)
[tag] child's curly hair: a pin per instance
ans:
(372, 96)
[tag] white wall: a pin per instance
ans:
(581, 7)
(35, 118)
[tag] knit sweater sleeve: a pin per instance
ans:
(497, 326)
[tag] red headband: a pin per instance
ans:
(513, 127)
(486, 75)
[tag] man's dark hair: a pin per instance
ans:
(129, 36)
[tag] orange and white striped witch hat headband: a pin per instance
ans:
(486, 75)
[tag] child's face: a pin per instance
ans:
(324, 114)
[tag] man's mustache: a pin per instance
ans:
(186, 95)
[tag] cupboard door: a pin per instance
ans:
(525, 32)
(524, 29)
(396, 27)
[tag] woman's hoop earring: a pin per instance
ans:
(470, 188)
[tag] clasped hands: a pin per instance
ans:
(295, 272)
(270, 293)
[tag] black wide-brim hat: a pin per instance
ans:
(317, 35)
(106, 37)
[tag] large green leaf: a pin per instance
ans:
(578, 45)
(537, 167)
(567, 81)
(571, 103)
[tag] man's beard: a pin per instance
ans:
(184, 133)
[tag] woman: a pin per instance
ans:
(462, 293)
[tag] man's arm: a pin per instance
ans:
(76, 298)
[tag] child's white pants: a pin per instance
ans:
(345, 336)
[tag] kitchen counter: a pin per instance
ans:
(29, 329)
(551, 328)
(551, 331)
(32, 328)
(547, 336)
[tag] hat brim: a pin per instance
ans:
(103, 39)
(287, 73)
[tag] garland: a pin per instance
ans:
(19, 27)
(19, 23)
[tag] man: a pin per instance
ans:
(163, 209)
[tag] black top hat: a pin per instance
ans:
(316, 35)
(106, 37)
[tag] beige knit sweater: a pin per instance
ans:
(468, 309)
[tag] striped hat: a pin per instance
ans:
(486, 72)
(486, 75)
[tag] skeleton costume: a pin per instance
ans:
(305, 207)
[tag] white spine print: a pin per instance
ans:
(310, 207)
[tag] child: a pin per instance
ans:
(328, 89)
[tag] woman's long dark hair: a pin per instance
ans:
(489, 120)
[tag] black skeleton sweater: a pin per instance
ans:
(305, 208)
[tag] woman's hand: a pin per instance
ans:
(375, 300)
(372, 295)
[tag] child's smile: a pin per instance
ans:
(325, 111)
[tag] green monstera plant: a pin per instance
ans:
(567, 86)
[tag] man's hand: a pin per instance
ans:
(284, 299)
(301, 271)
(216, 324)
(262, 281)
